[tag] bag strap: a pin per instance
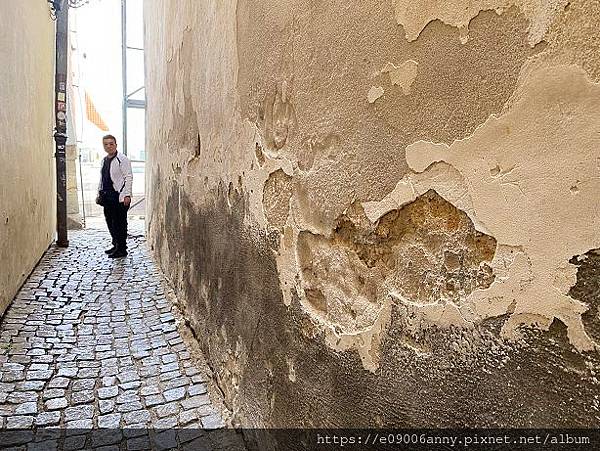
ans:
(122, 173)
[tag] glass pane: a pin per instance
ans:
(135, 23)
(136, 134)
(135, 70)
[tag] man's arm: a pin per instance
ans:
(99, 186)
(128, 176)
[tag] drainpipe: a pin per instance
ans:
(60, 112)
(124, 71)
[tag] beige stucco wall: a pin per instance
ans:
(27, 186)
(395, 201)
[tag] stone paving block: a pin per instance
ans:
(80, 424)
(128, 396)
(79, 412)
(125, 361)
(130, 406)
(86, 373)
(150, 390)
(74, 443)
(101, 438)
(137, 417)
(128, 376)
(26, 408)
(165, 440)
(18, 397)
(167, 409)
(48, 433)
(189, 434)
(188, 416)
(141, 354)
(197, 389)
(12, 376)
(105, 355)
(195, 401)
(10, 366)
(138, 444)
(59, 382)
(159, 352)
(149, 371)
(56, 403)
(108, 392)
(192, 371)
(170, 375)
(23, 359)
(83, 384)
(109, 370)
(47, 445)
(184, 355)
(82, 397)
(110, 421)
(154, 400)
(47, 419)
(174, 394)
(53, 393)
(108, 381)
(176, 382)
(130, 385)
(19, 422)
(198, 379)
(213, 421)
(7, 387)
(106, 406)
(43, 359)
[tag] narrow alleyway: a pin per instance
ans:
(91, 342)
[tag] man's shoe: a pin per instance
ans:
(118, 254)
(110, 251)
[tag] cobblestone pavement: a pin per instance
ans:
(91, 342)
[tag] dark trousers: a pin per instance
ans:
(116, 220)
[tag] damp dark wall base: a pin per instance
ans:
(461, 378)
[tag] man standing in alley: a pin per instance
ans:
(114, 194)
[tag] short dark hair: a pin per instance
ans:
(109, 137)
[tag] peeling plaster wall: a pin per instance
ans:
(383, 213)
(27, 185)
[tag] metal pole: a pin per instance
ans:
(60, 111)
(124, 70)
(82, 195)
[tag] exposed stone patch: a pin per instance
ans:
(342, 291)
(425, 253)
(276, 198)
(430, 244)
(518, 171)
